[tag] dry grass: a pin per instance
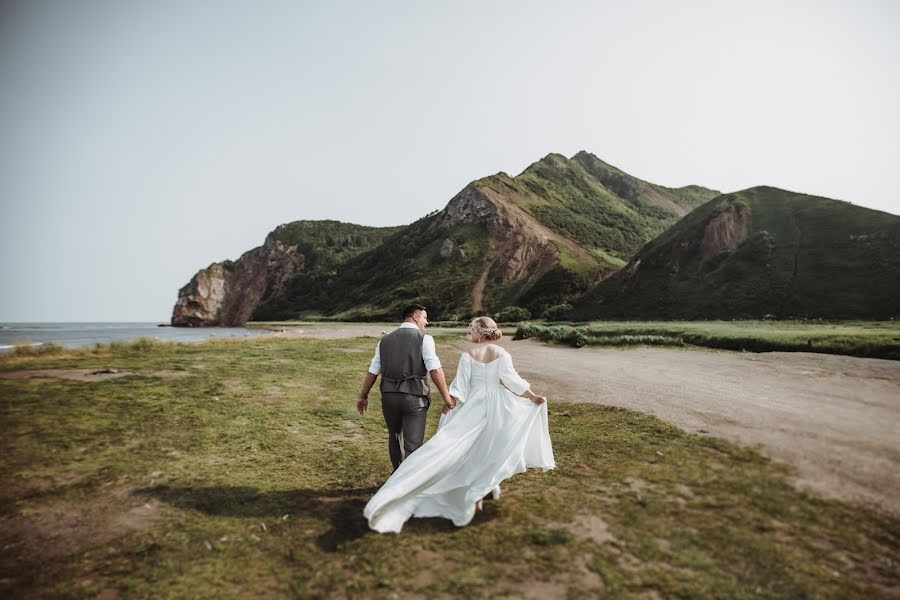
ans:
(247, 478)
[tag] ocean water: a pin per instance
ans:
(88, 334)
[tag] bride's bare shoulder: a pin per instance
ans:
(484, 353)
(493, 352)
(469, 350)
(469, 347)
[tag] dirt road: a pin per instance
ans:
(835, 418)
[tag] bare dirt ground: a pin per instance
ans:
(836, 419)
(88, 374)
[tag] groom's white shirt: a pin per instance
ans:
(429, 354)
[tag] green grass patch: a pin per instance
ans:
(247, 477)
(873, 339)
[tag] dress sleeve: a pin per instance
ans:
(459, 387)
(510, 378)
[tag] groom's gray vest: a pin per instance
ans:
(402, 366)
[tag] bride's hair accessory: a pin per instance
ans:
(487, 327)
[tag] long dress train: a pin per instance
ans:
(491, 435)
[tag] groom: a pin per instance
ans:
(404, 358)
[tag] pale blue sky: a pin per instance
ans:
(142, 140)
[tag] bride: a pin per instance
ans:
(492, 434)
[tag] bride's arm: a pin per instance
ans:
(459, 387)
(514, 382)
(534, 397)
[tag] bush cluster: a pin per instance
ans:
(560, 312)
(511, 314)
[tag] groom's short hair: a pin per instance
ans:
(412, 309)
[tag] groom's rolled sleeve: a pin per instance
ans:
(375, 365)
(429, 354)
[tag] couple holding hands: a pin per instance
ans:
(492, 425)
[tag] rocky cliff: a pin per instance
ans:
(227, 293)
(522, 249)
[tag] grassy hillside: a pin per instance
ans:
(407, 266)
(327, 244)
(762, 252)
(609, 212)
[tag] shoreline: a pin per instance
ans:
(48, 336)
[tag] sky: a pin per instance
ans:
(143, 141)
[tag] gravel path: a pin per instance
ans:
(835, 418)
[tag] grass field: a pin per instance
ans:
(240, 469)
(875, 339)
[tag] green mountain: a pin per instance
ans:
(756, 253)
(534, 240)
(607, 211)
(329, 244)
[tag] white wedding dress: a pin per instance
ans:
(491, 435)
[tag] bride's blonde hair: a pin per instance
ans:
(487, 327)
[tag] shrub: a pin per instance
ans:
(24, 347)
(560, 312)
(576, 338)
(526, 330)
(136, 345)
(512, 313)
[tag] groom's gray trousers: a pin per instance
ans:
(404, 415)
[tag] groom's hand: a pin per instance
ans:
(362, 404)
(449, 404)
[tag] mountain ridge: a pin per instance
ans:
(564, 230)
